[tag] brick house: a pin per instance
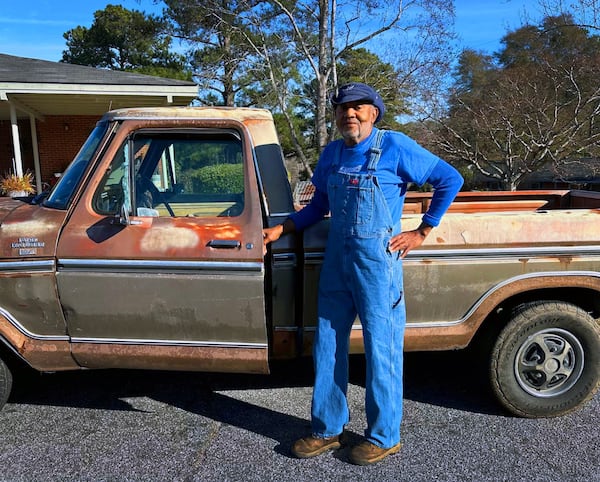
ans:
(581, 173)
(47, 109)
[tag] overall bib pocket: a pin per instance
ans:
(359, 202)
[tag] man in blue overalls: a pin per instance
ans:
(362, 179)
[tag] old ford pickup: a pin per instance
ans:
(148, 254)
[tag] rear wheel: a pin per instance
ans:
(5, 383)
(546, 361)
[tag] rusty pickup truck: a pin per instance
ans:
(148, 254)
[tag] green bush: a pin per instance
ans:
(218, 179)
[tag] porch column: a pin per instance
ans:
(17, 161)
(36, 154)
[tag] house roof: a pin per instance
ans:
(303, 192)
(580, 170)
(41, 88)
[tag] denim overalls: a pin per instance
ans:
(360, 276)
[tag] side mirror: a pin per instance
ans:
(124, 216)
(125, 219)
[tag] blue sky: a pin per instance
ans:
(34, 28)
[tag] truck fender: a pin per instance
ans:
(41, 352)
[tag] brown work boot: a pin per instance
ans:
(367, 453)
(312, 446)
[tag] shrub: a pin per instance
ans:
(218, 179)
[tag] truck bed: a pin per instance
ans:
(502, 201)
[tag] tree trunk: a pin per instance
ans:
(324, 66)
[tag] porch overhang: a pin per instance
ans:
(37, 101)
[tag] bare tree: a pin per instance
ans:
(539, 106)
(285, 53)
(585, 13)
(346, 26)
(523, 123)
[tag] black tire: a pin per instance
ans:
(546, 360)
(5, 383)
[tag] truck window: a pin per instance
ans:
(62, 193)
(191, 174)
(111, 194)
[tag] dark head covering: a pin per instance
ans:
(356, 91)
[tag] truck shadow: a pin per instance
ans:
(455, 380)
(446, 379)
(441, 379)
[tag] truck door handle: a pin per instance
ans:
(224, 244)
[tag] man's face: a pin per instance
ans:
(355, 120)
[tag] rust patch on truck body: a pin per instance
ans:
(43, 354)
(170, 357)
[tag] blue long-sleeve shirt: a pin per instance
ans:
(402, 161)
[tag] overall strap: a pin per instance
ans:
(376, 150)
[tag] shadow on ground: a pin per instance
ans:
(447, 379)
(443, 379)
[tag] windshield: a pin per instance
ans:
(65, 188)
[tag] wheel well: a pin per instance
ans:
(10, 356)
(586, 299)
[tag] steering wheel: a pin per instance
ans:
(157, 196)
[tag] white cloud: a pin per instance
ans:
(37, 21)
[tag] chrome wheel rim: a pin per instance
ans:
(549, 363)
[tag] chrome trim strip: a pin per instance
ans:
(504, 252)
(461, 253)
(13, 321)
(197, 344)
(314, 257)
(491, 291)
(284, 257)
(183, 343)
(151, 265)
(44, 265)
(214, 344)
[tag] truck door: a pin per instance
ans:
(161, 265)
